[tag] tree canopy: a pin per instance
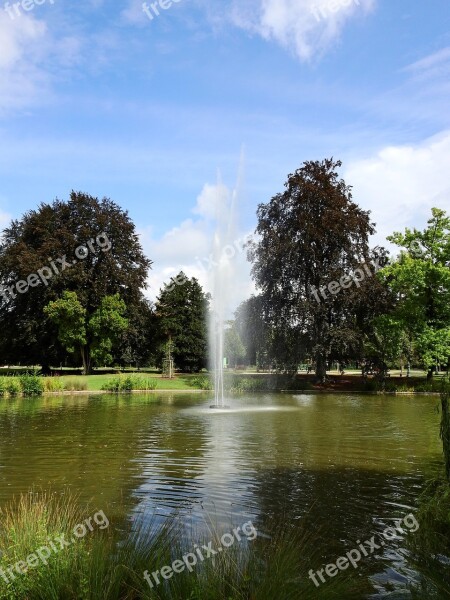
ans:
(307, 238)
(182, 316)
(420, 280)
(86, 246)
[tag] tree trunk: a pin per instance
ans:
(430, 373)
(321, 368)
(45, 369)
(86, 358)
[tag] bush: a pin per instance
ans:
(3, 384)
(32, 385)
(202, 383)
(13, 386)
(128, 383)
(435, 385)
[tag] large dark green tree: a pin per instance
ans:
(307, 237)
(181, 314)
(87, 246)
(137, 344)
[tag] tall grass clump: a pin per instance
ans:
(75, 384)
(128, 383)
(3, 383)
(53, 384)
(32, 524)
(101, 566)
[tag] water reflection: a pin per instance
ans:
(343, 466)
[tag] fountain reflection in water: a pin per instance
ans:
(223, 278)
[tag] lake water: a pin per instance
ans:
(346, 465)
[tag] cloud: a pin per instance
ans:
(189, 248)
(400, 184)
(306, 27)
(23, 43)
(432, 66)
(133, 13)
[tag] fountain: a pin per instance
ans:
(222, 280)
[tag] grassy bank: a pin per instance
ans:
(18, 382)
(100, 566)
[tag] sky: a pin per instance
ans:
(165, 111)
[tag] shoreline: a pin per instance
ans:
(194, 391)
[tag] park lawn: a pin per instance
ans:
(97, 381)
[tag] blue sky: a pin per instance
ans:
(95, 96)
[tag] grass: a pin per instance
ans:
(104, 567)
(235, 382)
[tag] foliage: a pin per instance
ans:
(53, 384)
(75, 384)
(13, 386)
(233, 347)
(114, 264)
(239, 384)
(137, 342)
(105, 327)
(102, 567)
(202, 383)
(253, 331)
(36, 520)
(181, 315)
(92, 337)
(70, 318)
(309, 236)
(420, 278)
(31, 385)
(128, 383)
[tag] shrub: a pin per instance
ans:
(3, 384)
(32, 385)
(13, 386)
(435, 385)
(202, 383)
(128, 383)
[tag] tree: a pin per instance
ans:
(253, 331)
(137, 343)
(91, 336)
(309, 237)
(181, 314)
(420, 280)
(85, 245)
(233, 347)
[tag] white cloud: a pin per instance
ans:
(306, 27)
(434, 65)
(133, 13)
(401, 184)
(188, 248)
(23, 43)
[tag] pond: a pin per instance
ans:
(347, 466)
